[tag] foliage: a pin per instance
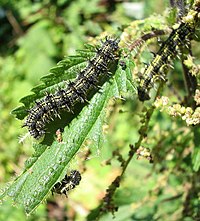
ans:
(144, 157)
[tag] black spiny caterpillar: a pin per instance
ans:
(167, 51)
(50, 107)
(67, 183)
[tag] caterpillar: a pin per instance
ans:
(50, 107)
(169, 48)
(67, 183)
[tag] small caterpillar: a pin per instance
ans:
(168, 49)
(67, 183)
(50, 107)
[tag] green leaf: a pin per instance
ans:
(196, 153)
(49, 163)
(20, 112)
(196, 160)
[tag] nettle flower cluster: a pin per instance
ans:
(190, 116)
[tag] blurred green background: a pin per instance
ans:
(34, 36)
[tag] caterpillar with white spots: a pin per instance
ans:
(169, 49)
(67, 183)
(48, 108)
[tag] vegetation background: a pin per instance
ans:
(34, 36)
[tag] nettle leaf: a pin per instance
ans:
(196, 160)
(51, 158)
(196, 152)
